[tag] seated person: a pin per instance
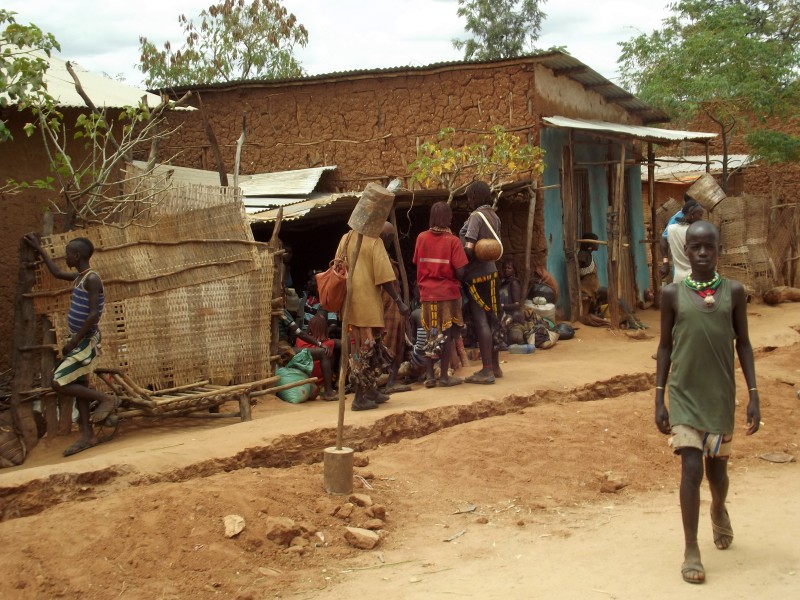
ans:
(543, 285)
(323, 350)
(509, 296)
(590, 284)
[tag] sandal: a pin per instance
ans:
(396, 389)
(104, 409)
(79, 446)
(693, 566)
(481, 377)
(448, 381)
(430, 383)
(723, 532)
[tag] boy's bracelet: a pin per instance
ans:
(753, 390)
(659, 387)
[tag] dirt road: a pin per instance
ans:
(523, 464)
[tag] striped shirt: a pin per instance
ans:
(79, 309)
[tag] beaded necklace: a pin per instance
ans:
(705, 289)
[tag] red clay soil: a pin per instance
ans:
(565, 492)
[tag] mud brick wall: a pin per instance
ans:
(369, 125)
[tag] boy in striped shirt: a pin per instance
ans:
(71, 374)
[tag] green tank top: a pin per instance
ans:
(702, 390)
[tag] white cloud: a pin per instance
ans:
(343, 34)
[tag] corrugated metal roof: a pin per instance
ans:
(284, 183)
(319, 207)
(103, 91)
(559, 62)
(689, 168)
(261, 190)
(650, 134)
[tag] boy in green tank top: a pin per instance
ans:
(703, 318)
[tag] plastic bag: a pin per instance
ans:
(297, 369)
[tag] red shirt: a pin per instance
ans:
(317, 370)
(437, 256)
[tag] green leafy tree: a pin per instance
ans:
(23, 61)
(234, 40)
(497, 157)
(499, 28)
(734, 61)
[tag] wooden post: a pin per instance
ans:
(50, 404)
(570, 231)
(24, 335)
(239, 144)
(655, 235)
(399, 255)
(614, 225)
(277, 283)
(345, 355)
(526, 282)
(212, 139)
(245, 412)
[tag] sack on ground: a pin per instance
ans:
(297, 369)
(12, 447)
(544, 334)
(302, 361)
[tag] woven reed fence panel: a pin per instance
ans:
(743, 223)
(188, 292)
(782, 234)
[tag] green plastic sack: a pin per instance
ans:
(297, 369)
(302, 361)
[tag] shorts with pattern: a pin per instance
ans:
(712, 445)
(77, 365)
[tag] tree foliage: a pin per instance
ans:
(736, 61)
(497, 158)
(23, 63)
(92, 183)
(499, 28)
(234, 40)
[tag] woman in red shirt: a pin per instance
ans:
(324, 351)
(440, 261)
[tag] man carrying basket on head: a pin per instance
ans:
(480, 236)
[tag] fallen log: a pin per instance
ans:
(780, 294)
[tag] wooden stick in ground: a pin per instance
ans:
(23, 363)
(239, 144)
(526, 282)
(48, 357)
(399, 255)
(345, 356)
(212, 139)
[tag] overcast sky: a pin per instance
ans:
(343, 34)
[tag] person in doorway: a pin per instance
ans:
(480, 278)
(675, 242)
(703, 318)
(372, 273)
(440, 261)
(71, 376)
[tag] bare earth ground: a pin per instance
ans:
(512, 475)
